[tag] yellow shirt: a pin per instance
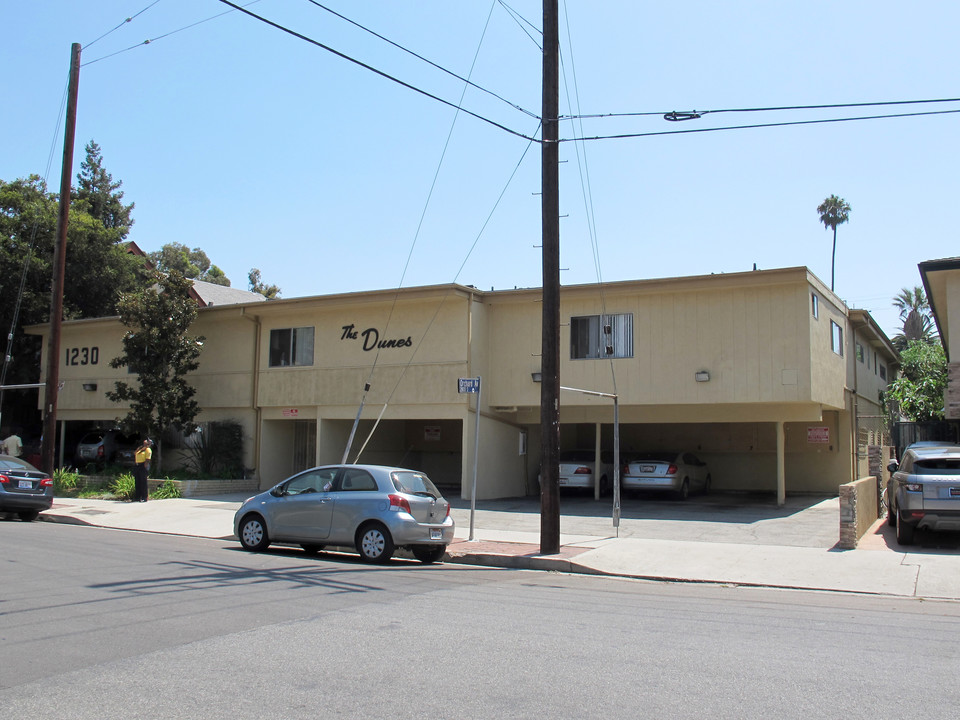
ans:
(143, 455)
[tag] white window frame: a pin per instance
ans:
(299, 348)
(836, 338)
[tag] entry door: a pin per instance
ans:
(304, 445)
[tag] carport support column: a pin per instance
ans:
(781, 466)
(596, 464)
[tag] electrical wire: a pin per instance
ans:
(421, 57)
(523, 23)
(443, 299)
(416, 236)
(148, 41)
(587, 192)
(28, 256)
(623, 136)
(374, 70)
(129, 19)
(832, 106)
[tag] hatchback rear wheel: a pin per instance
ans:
(28, 515)
(374, 543)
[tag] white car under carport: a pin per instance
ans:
(678, 472)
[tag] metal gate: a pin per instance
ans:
(304, 445)
(905, 433)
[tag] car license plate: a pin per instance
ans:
(436, 534)
(562, 481)
(25, 485)
(647, 468)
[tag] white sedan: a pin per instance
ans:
(678, 472)
(577, 469)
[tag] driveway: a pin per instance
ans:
(804, 521)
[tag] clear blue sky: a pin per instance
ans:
(266, 151)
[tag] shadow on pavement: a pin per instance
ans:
(925, 541)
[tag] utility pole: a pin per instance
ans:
(59, 268)
(550, 343)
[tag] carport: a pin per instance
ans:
(290, 445)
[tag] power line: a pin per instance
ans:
(622, 136)
(374, 70)
(523, 24)
(699, 113)
(421, 57)
(159, 37)
(129, 19)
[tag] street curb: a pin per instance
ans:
(65, 520)
(512, 562)
(70, 520)
(566, 566)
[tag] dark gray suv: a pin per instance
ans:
(105, 447)
(924, 491)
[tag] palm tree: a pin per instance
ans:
(914, 316)
(833, 211)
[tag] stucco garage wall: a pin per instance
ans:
(501, 470)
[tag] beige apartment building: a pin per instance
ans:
(941, 281)
(766, 375)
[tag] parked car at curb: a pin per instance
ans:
(24, 489)
(924, 491)
(678, 472)
(373, 508)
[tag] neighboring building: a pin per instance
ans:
(208, 294)
(766, 374)
(941, 281)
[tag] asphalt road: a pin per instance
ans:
(101, 623)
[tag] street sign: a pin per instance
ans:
(468, 385)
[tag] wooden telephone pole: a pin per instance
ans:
(550, 343)
(59, 267)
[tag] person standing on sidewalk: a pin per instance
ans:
(142, 457)
(13, 445)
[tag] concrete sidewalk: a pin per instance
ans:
(511, 540)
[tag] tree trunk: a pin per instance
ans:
(833, 259)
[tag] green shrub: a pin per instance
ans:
(167, 489)
(217, 450)
(65, 480)
(123, 486)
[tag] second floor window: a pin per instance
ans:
(291, 346)
(601, 336)
(836, 338)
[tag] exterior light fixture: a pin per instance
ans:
(89, 387)
(702, 376)
(536, 376)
